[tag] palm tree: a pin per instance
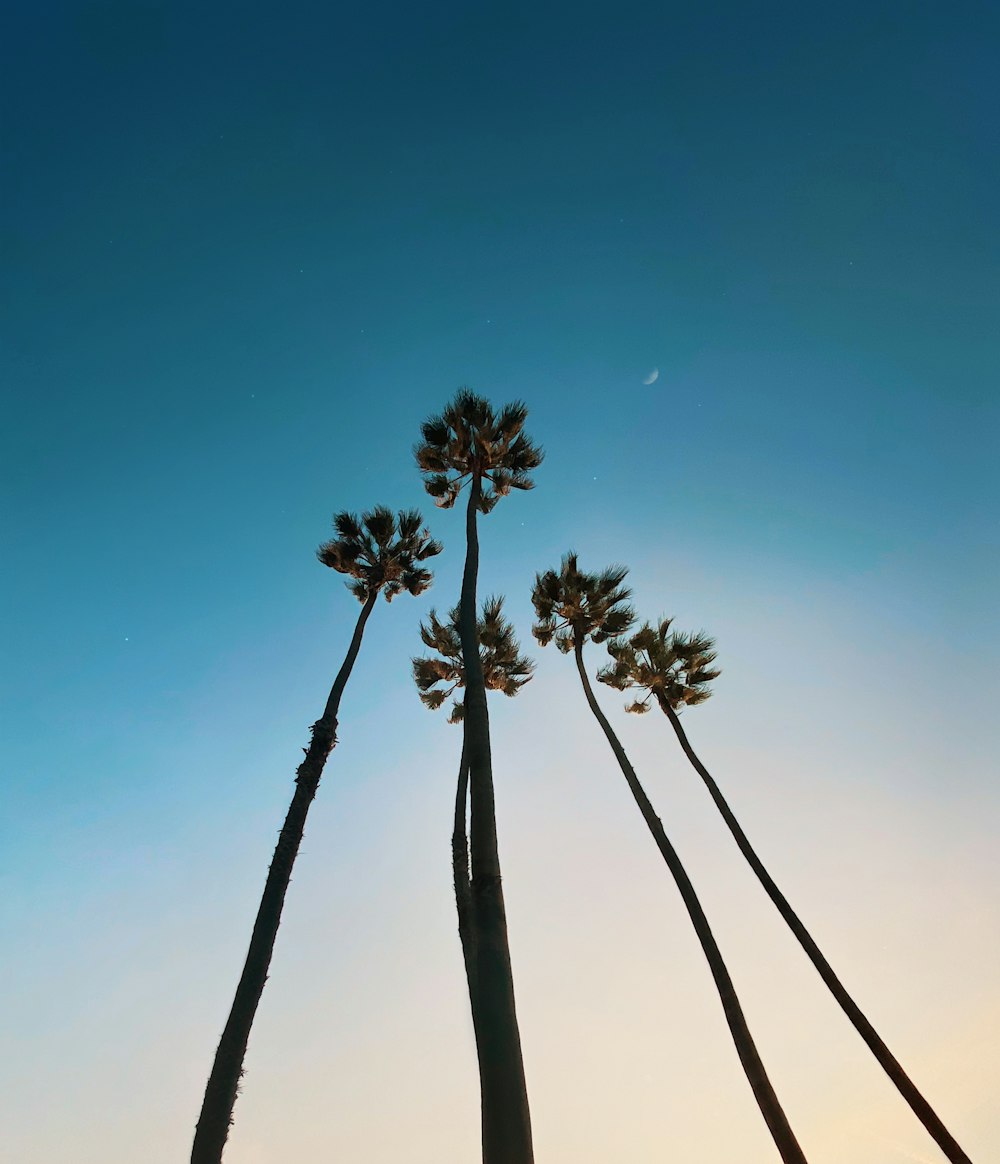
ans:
(471, 444)
(675, 670)
(504, 669)
(573, 606)
(380, 554)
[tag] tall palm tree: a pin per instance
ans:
(504, 669)
(675, 670)
(380, 554)
(470, 443)
(572, 607)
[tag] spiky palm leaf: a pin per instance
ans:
(573, 606)
(381, 551)
(505, 669)
(469, 439)
(662, 663)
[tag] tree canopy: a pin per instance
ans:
(381, 551)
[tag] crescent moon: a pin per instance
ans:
(652, 377)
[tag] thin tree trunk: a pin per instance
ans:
(921, 1108)
(227, 1069)
(506, 1120)
(767, 1100)
(460, 873)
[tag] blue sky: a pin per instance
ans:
(245, 252)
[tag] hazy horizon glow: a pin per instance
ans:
(247, 252)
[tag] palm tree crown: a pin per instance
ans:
(471, 441)
(670, 665)
(504, 667)
(573, 606)
(381, 552)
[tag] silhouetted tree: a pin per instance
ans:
(675, 670)
(573, 606)
(380, 554)
(504, 669)
(471, 444)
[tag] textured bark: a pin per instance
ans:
(227, 1069)
(767, 1100)
(506, 1120)
(460, 873)
(921, 1108)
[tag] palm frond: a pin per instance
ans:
(408, 522)
(380, 523)
(696, 697)
(543, 632)
(435, 431)
(360, 588)
(643, 639)
(524, 455)
(442, 637)
(615, 623)
(433, 699)
(347, 526)
(520, 480)
(329, 553)
(416, 581)
(428, 547)
(427, 672)
(501, 480)
(437, 485)
(611, 578)
(457, 713)
(615, 675)
(510, 420)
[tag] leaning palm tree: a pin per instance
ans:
(572, 607)
(504, 669)
(471, 444)
(380, 554)
(675, 670)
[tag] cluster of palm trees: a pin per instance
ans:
(474, 651)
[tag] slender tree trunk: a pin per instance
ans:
(767, 1100)
(921, 1108)
(506, 1120)
(223, 1083)
(460, 872)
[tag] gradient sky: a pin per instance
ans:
(246, 249)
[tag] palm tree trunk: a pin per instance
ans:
(506, 1119)
(460, 873)
(227, 1069)
(921, 1108)
(767, 1100)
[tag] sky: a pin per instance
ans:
(246, 250)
